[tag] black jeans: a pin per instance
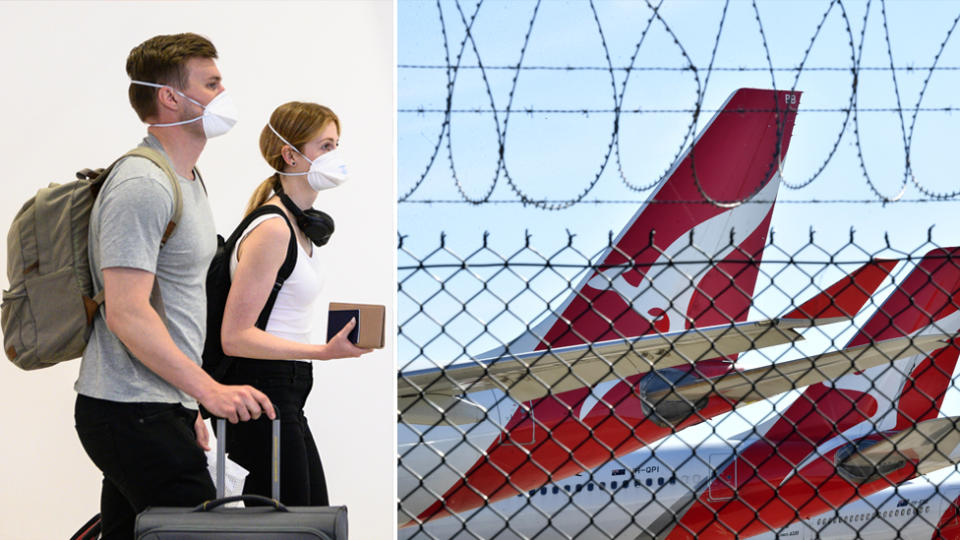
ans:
(287, 384)
(148, 454)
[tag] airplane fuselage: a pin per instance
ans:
(644, 494)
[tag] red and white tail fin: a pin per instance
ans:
(690, 256)
(846, 297)
(891, 396)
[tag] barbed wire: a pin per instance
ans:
(677, 68)
(947, 109)
(758, 201)
(620, 79)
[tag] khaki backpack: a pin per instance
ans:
(47, 315)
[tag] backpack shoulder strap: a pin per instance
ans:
(159, 160)
(196, 174)
(288, 263)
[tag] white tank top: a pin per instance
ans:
(293, 313)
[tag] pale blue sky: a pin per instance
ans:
(557, 155)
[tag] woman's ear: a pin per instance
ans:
(289, 157)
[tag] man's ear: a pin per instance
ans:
(167, 99)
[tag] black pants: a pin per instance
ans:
(287, 384)
(148, 454)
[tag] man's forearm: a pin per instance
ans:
(143, 332)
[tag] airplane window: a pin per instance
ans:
(579, 487)
(603, 485)
(649, 481)
(555, 490)
(567, 488)
(590, 486)
(533, 492)
(613, 484)
(673, 480)
(636, 483)
(659, 481)
(543, 490)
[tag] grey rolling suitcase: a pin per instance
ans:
(211, 520)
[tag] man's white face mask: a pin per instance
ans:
(326, 171)
(218, 116)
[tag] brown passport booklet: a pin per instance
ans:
(368, 333)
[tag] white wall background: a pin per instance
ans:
(64, 103)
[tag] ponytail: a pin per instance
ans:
(261, 194)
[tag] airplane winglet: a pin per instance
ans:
(846, 297)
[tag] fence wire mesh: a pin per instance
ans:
(696, 377)
(809, 403)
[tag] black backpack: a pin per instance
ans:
(215, 362)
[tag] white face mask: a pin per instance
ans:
(218, 116)
(327, 171)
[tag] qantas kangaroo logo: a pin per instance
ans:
(684, 263)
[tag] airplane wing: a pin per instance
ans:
(768, 381)
(931, 445)
(430, 395)
(533, 375)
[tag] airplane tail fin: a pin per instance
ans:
(892, 396)
(690, 255)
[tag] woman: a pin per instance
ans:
(300, 144)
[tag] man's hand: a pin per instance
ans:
(237, 403)
(203, 436)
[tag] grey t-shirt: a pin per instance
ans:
(126, 225)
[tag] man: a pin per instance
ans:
(140, 378)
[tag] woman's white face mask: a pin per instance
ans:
(326, 171)
(218, 116)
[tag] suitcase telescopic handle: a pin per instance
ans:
(210, 505)
(274, 464)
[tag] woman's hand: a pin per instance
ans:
(340, 346)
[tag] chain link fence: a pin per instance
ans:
(808, 395)
(769, 386)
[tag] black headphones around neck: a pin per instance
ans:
(317, 225)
